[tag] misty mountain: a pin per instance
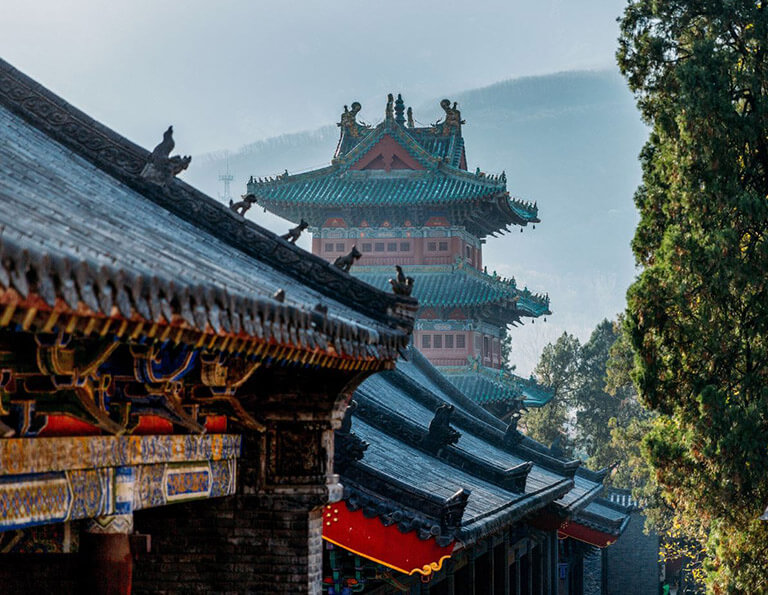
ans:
(569, 141)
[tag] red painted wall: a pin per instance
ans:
(378, 251)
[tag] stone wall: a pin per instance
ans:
(631, 565)
(237, 544)
(593, 572)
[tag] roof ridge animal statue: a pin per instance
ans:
(161, 168)
(241, 206)
(345, 262)
(294, 233)
(401, 285)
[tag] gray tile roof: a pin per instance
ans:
(397, 407)
(79, 223)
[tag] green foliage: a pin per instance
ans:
(697, 315)
(506, 350)
(595, 407)
(557, 370)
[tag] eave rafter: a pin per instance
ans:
(91, 373)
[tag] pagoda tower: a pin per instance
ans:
(402, 195)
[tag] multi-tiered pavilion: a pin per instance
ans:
(402, 195)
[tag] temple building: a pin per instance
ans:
(192, 403)
(401, 195)
(171, 374)
(440, 496)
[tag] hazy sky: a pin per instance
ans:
(227, 72)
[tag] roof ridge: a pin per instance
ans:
(286, 177)
(124, 160)
(377, 133)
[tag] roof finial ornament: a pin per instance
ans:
(441, 433)
(409, 113)
(401, 285)
(241, 206)
(349, 447)
(346, 421)
(295, 232)
(390, 111)
(512, 435)
(345, 262)
(453, 119)
(160, 167)
(349, 119)
(399, 109)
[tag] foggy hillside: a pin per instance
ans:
(568, 141)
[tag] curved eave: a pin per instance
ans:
(482, 215)
(467, 289)
(586, 534)
(495, 213)
(69, 146)
(499, 519)
(484, 388)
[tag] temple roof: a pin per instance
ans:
(443, 139)
(395, 166)
(499, 474)
(486, 385)
(80, 226)
(463, 286)
(600, 523)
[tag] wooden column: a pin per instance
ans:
(507, 582)
(470, 582)
(518, 562)
(450, 582)
(554, 569)
(105, 552)
(549, 563)
(491, 568)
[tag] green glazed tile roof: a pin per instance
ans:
(461, 286)
(449, 147)
(333, 188)
(488, 385)
(442, 184)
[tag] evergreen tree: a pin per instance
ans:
(595, 407)
(698, 312)
(557, 369)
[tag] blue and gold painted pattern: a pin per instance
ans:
(53, 480)
(37, 499)
(19, 455)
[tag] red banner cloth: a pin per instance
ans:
(388, 546)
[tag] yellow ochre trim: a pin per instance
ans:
(425, 570)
